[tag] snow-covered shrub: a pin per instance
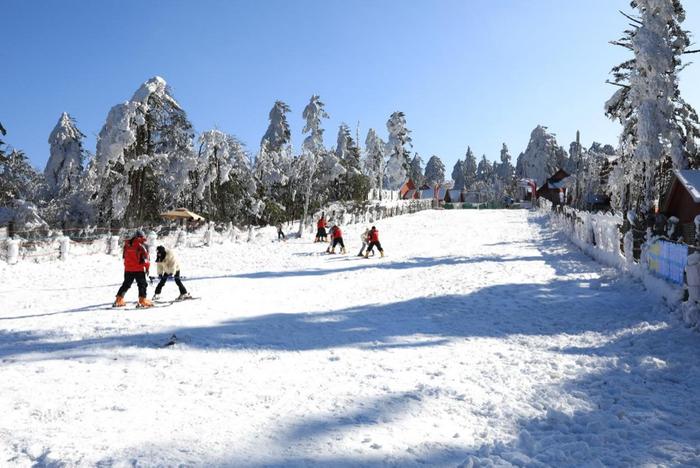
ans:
(26, 218)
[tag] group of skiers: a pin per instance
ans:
(137, 264)
(369, 238)
(137, 267)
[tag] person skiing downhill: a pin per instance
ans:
(167, 266)
(364, 238)
(336, 238)
(280, 233)
(321, 235)
(374, 241)
(136, 266)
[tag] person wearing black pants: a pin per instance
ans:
(373, 238)
(136, 267)
(168, 266)
(280, 233)
(129, 277)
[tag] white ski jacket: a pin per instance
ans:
(363, 236)
(169, 265)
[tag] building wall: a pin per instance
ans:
(682, 205)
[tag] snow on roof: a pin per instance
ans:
(691, 181)
(563, 183)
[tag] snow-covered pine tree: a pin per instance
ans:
(224, 188)
(659, 127)
(278, 133)
(484, 170)
(65, 164)
(144, 155)
(69, 187)
(318, 165)
(458, 175)
(276, 170)
(469, 169)
(505, 172)
(595, 170)
(375, 160)
(415, 171)
(399, 157)
(543, 156)
(353, 185)
(434, 171)
(18, 179)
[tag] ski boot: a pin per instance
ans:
(184, 296)
(381, 254)
(155, 298)
(342, 250)
(119, 302)
(144, 302)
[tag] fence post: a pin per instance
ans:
(114, 245)
(64, 245)
(181, 240)
(12, 251)
(208, 235)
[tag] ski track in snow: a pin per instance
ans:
(481, 339)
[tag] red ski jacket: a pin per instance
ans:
(373, 235)
(337, 233)
(321, 223)
(135, 256)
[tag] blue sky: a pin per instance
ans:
(469, 72)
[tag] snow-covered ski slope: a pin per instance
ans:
(481, 337)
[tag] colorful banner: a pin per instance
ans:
(667, 260)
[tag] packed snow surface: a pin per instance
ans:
(481, 339)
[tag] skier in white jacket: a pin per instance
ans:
(364, 237)
(167, 266)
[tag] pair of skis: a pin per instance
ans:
(156, 304)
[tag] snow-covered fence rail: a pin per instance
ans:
(69, 243)
(598, 234)
(389, 195)
(661, 264)
(345, 214)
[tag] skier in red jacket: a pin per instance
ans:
(336, 238)
(321, 235)
(136, 266)
(374, 241)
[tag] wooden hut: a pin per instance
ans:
(555, 185)
(683, 201)
(453, 196)
(408, 186)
